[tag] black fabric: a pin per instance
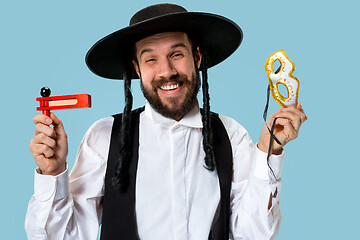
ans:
(215, 34)
(118, 221)
(224, 166)
(155, 11)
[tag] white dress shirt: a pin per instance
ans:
(176, 197)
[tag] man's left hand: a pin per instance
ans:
(287, 126)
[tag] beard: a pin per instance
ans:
(177, 110)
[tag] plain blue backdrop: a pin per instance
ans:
(43, 43)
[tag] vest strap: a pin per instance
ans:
(224, 168)
(118, 220)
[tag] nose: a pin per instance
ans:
(166, 69)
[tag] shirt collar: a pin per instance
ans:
(191, 119)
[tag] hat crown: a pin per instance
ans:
(111, 56)
(157, 10)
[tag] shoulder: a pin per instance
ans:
(242, 147)
(101, 126)
(93, 150)
(99, 133)
(233, 128)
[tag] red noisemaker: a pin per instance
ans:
(61, 102)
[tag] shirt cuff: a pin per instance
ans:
(47, 186)
(260, 167)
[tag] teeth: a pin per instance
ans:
(170, 87)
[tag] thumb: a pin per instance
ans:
(58, 125)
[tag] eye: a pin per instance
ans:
(177, 56)
(150, 60)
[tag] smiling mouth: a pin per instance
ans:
(170, 87)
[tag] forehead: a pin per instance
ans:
(163, 39)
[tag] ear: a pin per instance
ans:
(137, 69)
(197, 57)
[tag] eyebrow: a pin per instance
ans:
(178, 45)
(145, 51)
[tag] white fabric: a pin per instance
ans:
(176, 197)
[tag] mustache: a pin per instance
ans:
(181, 78)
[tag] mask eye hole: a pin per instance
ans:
(276, 66)
(283, 90)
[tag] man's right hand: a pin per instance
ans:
(49, 146)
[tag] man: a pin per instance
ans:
(170, 170)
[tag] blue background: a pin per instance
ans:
(43, 43)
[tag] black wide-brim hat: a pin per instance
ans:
(218, 36)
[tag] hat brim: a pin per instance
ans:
(215, 34)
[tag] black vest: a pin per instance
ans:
(118, 220)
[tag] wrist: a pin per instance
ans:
(262, 147)
(54, 172)
(277, 151)
(265, 148)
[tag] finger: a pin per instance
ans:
(292, 109)
(295, 120)
(48, 131)
(42, 138)
(40, 160)
(299, 106)
(41, 149)
(43, 119)
(302, 110)
(296, 111)
(271, 118)
(58, 125)
(287, 130)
